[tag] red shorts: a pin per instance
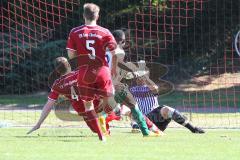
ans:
(78, 106)
(94, 81)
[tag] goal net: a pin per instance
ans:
(195, 43)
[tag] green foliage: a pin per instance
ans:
(200, 44)
(31, 74)
(205, 41)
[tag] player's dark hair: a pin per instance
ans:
(90, 11)
(118, 34)
(61, 65)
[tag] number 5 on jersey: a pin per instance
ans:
(91, 55)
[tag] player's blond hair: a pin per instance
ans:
(91, 11)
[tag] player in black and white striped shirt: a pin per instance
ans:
(145, 98)
(145, 93)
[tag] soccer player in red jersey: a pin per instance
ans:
(89, 43)
(67, 85)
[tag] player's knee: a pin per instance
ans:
(111, 101)
(130, 101)
(130, 104)
(167, 112)
(164, 112)
(88, 105)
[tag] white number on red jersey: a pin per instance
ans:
(90, 48)
(74, 96)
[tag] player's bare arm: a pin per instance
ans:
(114, 63)
(151, 85)
(71, 54)
(145, 77)
(45, 112)
(128, 66)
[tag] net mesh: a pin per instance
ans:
(24, 26)
(195, 39)
(154, 27)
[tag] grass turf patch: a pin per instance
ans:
(74, 143)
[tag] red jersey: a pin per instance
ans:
(67, 85)
(90, 42)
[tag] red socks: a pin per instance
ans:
(110, 117)
(149, 122)
(91, 119)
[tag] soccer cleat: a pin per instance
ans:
(103, 139)
(198, 130)
(155, 130)
(102, 124)
(152, 134)
(158, 132)
(135, 128)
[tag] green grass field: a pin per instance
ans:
(77, 144)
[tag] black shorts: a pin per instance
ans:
(156, 117)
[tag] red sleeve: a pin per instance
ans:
(109, 41)
(71, 45)
(53, 95)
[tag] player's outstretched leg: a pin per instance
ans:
(92, 119)
(139, 118)
(125, 97)
(168, 112)
(151, 126)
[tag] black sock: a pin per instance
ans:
(190, 127)
(180, 119)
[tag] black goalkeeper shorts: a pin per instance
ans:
(156, 117)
